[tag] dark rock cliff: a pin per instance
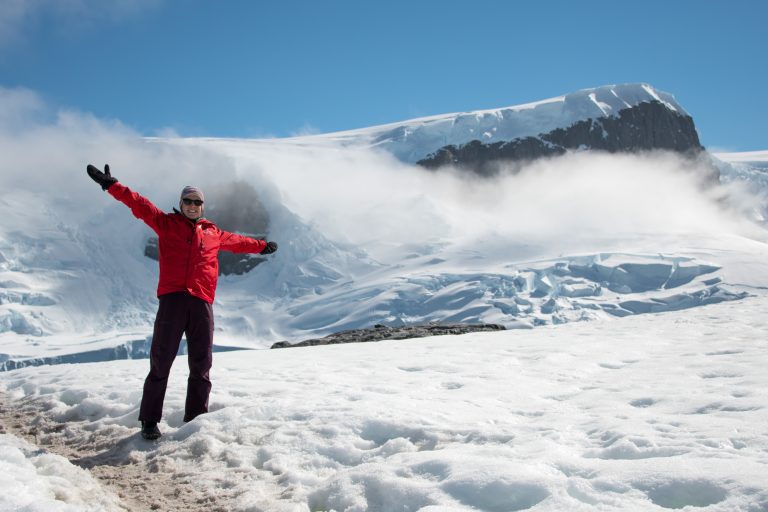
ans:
(644, 127)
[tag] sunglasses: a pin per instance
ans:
(196, 202)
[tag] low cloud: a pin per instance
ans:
(46, 150)
(362, 197)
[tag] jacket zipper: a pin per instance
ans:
(189, 258)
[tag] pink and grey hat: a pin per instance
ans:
(189, 190)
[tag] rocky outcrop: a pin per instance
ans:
(644, 127)
(382, 332)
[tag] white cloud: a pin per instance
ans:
(20, 107)
(45, 151)
(360, 196)
(364, 197)
(306, 129)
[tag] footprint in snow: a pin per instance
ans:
(684, 493)
(642, 402)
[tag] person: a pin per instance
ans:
(189, 244)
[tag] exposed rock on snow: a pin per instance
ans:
(647, 126)
(614, 118)
(382, 332)
(414, 140)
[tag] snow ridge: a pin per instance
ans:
(411, 141)
(525, 296)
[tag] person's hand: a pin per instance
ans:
(270, 248)
(104, 179)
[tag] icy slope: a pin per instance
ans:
(520, 296)
(754, 158)
(67, 287)
(748, 171)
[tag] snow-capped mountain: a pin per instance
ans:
(625, 117)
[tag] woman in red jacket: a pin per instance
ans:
(189, 269)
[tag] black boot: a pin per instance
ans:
(149, 430)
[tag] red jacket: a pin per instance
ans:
(188, 249)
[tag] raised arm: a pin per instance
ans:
(141, 207)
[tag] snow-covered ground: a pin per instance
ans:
(652, 412)
(36, 481)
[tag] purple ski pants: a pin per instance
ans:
(179, 313)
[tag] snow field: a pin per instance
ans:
(34, 481)
(652, 412)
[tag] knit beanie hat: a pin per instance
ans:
(189, 190)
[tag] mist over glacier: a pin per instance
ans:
(358, 195)
(339, 212)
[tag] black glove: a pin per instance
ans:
(270, 248)
(104, 179)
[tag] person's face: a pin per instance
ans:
(192, 207)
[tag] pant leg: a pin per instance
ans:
(169, 326)
(199, 349)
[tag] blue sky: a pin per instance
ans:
(279, 68)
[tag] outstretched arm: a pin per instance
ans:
(242, 244)
(141, 207)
